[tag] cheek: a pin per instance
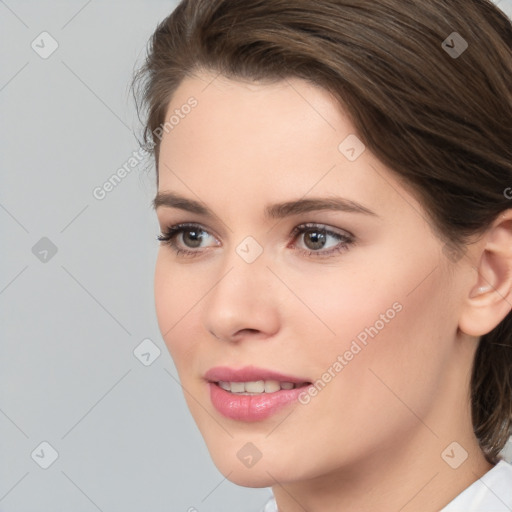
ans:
(390, 349)
(339, 305)
(389, 319)
(175, 294)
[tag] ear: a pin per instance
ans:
(489, 298)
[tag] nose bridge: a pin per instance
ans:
(244, 270)
(242, 297)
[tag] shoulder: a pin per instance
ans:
(490, 493)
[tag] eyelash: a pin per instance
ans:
(169, 235)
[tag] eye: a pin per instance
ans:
(316, 239)
(189, 233)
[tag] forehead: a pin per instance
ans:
(248, 126)
(265, 142)
(226, 102)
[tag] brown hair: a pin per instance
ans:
(441, 121)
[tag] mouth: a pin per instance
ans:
(257, 387)
(252, 394)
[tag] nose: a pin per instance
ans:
(244, 302)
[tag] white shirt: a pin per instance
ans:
(491, 493)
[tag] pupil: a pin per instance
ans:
(195, 238)
(317, 238)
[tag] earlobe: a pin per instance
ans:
(490, 296)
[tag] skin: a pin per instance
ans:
(372, 438)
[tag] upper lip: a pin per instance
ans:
(248, 374)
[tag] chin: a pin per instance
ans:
(264, 472)
(232, 461)
(248, 479)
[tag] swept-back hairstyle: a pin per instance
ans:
(437, 113)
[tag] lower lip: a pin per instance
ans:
(251, 407)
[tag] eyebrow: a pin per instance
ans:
(274, 211)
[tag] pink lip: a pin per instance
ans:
(250, 407)
(247, 374)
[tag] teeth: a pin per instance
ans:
(237, 387)
(225, 385)
(255, 387)
(271, 386)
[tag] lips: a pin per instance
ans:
(250, 393)
(248, 374)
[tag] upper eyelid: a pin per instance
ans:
(183, 226)
(323, 227)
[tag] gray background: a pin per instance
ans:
(70, 321)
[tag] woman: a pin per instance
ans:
(334, 281)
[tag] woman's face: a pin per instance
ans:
(279, 289)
